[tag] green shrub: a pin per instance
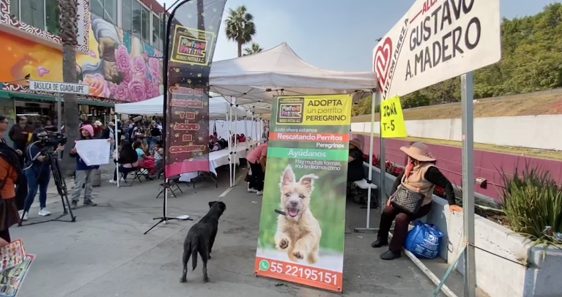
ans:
(533, 201)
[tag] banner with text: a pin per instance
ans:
(437, 40)
(302, 222)
(191, 43)
(392, 121)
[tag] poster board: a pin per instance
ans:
(302, 224)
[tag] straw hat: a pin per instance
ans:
(357, 142)
(418, 151)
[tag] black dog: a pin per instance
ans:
(200, 239)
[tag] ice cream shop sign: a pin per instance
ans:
(54, 87)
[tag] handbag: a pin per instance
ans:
(406, 201)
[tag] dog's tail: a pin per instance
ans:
(194, 249)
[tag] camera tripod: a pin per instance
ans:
(61, 189)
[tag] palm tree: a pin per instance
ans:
(253, 49)
(68, 32)
(240, 27)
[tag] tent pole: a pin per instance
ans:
(235, 141)
(375, 98)
(116, 151)
(467, 94)
(230, 143)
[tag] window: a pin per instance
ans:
(139, 20)
(52, 16)
(41, 14)
(145, 25)
(156, 32)
(15, 8)
(127, 15)
(107, 9)
(32, 12)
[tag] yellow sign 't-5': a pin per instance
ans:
(392, 119)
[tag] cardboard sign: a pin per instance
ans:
(435, 41)
(302, 223)
(392, 119)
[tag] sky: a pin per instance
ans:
(330, 34)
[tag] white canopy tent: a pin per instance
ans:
(218, 108)
(255, 79)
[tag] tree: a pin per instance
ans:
(240, 27)
(68, 32)
(253, 49)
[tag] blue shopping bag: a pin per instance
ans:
(424, 241)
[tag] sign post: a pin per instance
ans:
(435, 41)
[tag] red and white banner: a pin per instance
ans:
(437, 40)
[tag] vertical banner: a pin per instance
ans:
(302, 222)
(192, 33)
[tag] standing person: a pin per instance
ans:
(257, 159)
(83, 172)
(155, 136)
(19, 134)
(420, 176)
(10, 176)
(37, 172)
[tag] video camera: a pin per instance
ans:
(51, 138)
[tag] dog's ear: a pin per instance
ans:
(288, 176)
(308, 181)
(211, 203)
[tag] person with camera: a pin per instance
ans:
(38, 170)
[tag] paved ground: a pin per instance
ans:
(105, 252)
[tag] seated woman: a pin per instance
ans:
(158, 156)
(145, 162)
(128, 161)
(421, 176)
(355, 169)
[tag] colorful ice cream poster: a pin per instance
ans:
(302, 223)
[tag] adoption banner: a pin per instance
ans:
(191, 41)
(435, 41)
(302, 222)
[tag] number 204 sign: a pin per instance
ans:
(392, 119)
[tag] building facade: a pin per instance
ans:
(118, 54)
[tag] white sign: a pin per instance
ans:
(437, 40)
(94, 151)
(56, 87)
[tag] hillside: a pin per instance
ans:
(537, 103)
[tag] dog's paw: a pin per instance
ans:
(183, 279)
(283, 244)
(298, 255)
(206, 279)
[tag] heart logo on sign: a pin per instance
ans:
(382, 61)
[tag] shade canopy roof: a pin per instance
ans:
(256, 79)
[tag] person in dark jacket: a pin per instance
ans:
(420, 176)
(128, 161)
(11, 175)
(355, 169)
(19, 134)
(83, 172)
(38, 172)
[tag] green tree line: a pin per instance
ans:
(531, 61)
